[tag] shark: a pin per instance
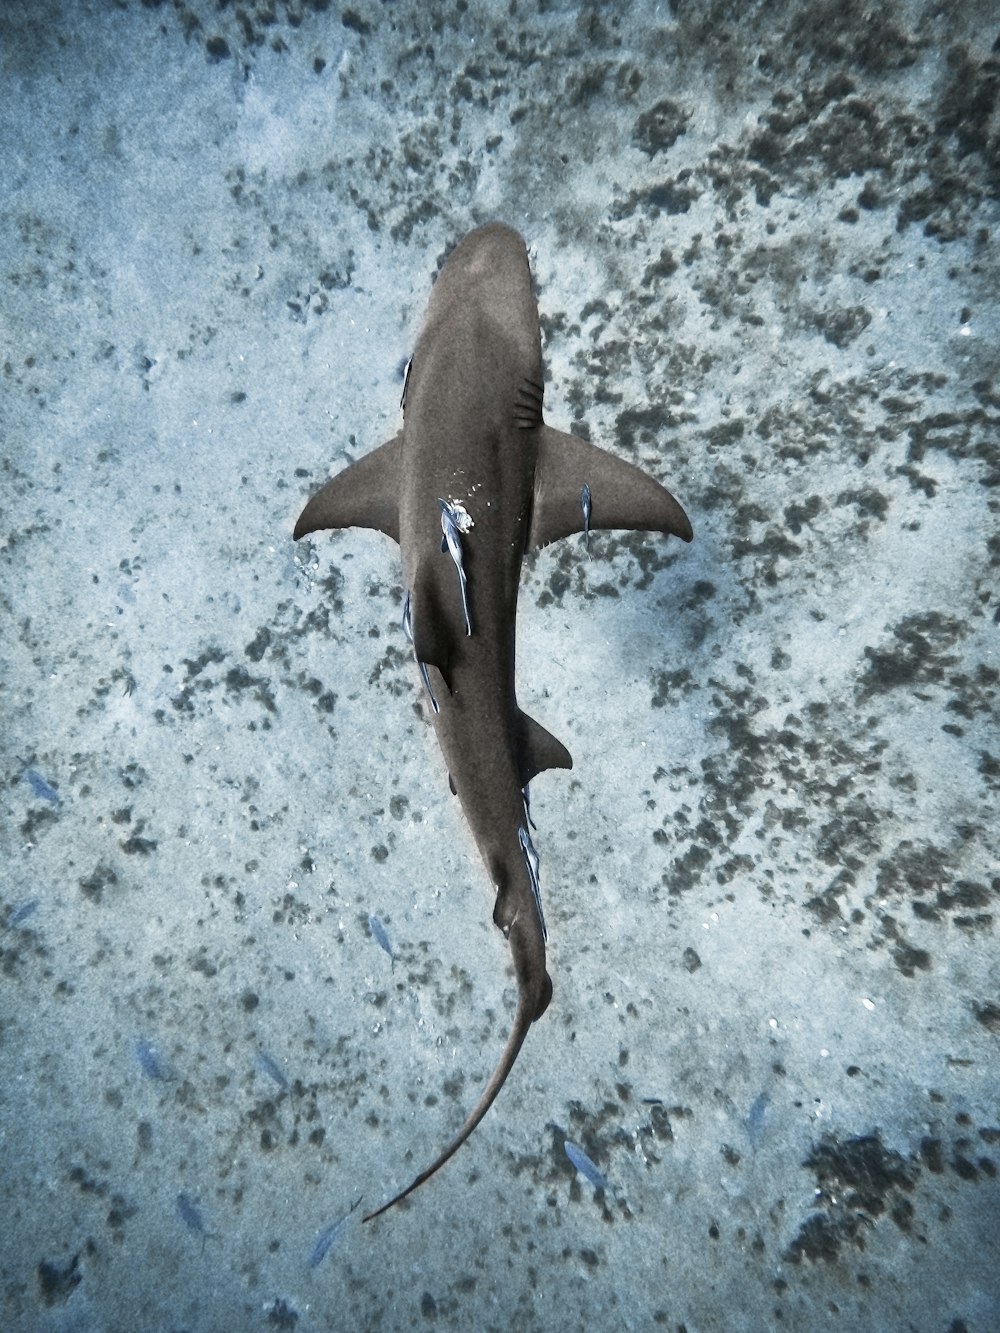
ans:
(475, 479)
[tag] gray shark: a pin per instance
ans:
(473, 481)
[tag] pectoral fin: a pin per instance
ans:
(364, 495)
(621, 495)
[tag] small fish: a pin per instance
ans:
(454, 521)
(756, 1117)
(527, 806)
(406, 381)
(584, 1165)
(586, 507)
(381, 937)
(20, 914)
(325, 1239)
(531, 857)
(424, 673)
(40, 787)
(190, 1214)
(149, 1059)
(274, 1072)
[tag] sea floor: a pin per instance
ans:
(249, 972)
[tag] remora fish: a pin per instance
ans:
(473, 439)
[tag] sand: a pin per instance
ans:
(764, 239)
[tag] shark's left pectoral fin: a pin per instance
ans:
(364, 495)
(620, 495)
(538, 749)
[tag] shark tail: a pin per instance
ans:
(529, 1007)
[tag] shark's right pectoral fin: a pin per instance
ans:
(364, 495)
(620, 495)
(538, 749)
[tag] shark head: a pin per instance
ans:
(489, 268)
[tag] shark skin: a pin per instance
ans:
(476, 461)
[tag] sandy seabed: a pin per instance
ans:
(765, 244)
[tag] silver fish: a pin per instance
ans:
(526, 797)
(424, 673)
(587, 508)
(149, 1059)
(585, 1166)
(326, 1238)
(272, 1069)
(531, 857)
(454, 521)
(40, 787)
(381, 936)
(190, 1214)
(757, 1118)
(21, 914)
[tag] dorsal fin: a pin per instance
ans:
(364, 495)
(621, 495)
(538, 749)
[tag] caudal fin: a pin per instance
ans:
(527, 1012)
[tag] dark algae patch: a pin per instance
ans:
(860, 1184)
(920, 653)
(857, 1181)
(57, 1281)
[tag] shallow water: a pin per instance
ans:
(763, 239)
